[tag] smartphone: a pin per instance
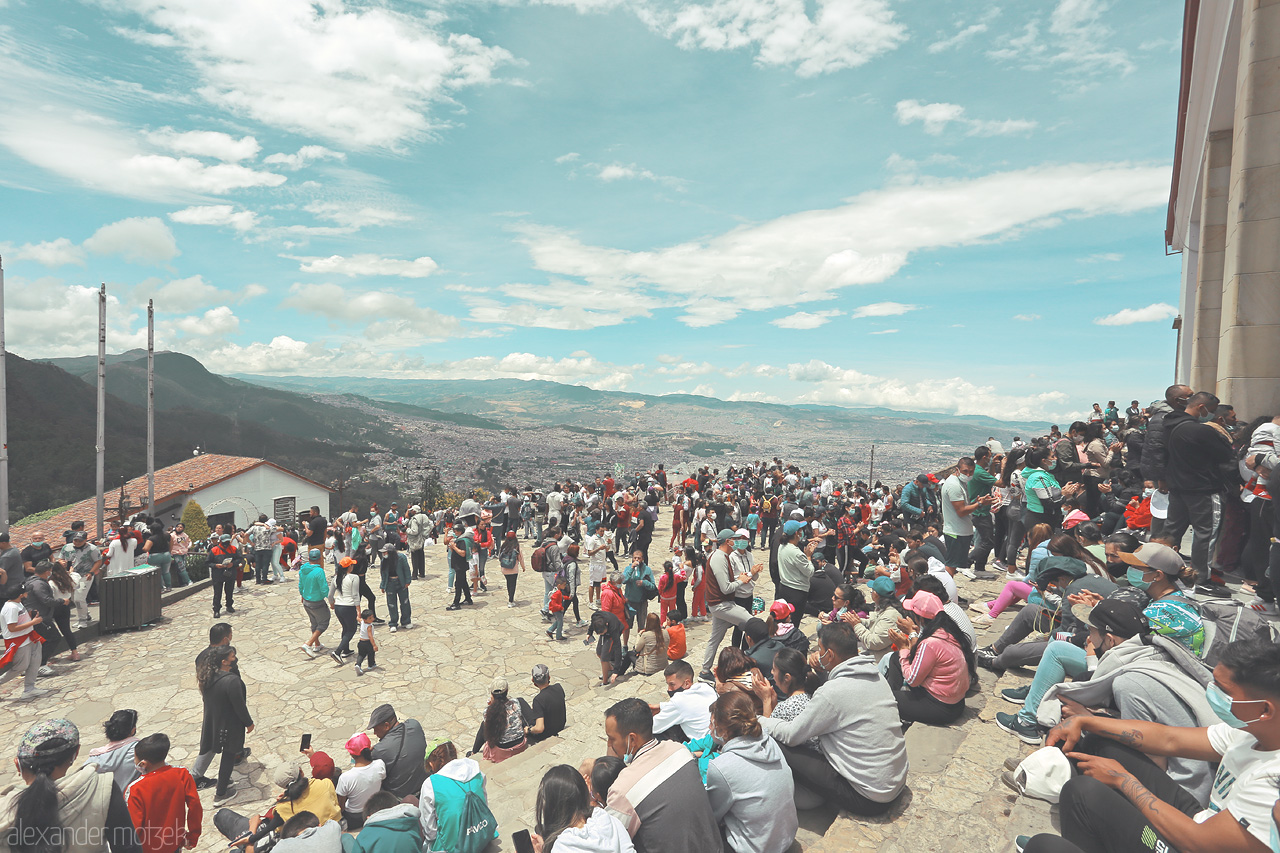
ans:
(306, 743)
(522, 841)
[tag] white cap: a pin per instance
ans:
(742, 533)
(797, 513)
(1043, 773)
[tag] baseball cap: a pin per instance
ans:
(781, 609)
(499, 685)
(797, 513)
(881, 586)
(540, 674)
(79, 534)
(741, 533)
(1120, 617)
(286, 773)
(381, 714)
(791, 527)
(314, 554)
(1043, 773)
(388, 547)
(724, 535)
(226, 537)
(926, 605)
(1073, 518)
(358, 743)
(1153, 555)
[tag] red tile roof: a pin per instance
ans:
(180, 479)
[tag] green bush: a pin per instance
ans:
(197, 567)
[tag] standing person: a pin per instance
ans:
(981, 484)
(260, 540)
(459, 548)
(65, 586)
(795, 569)
(395, 583)
(10, 560)
(21, 642)
(723, 607)
(85, 562)
(163, 802)
(222, 574)
(1197, 454)
(559, 601)
(226, 715)
(637, 583)
(417, 530)
(597, 565)
(740, 565)
(116, 756)
(41, 600)
(511, 561)
(957, 521)
(344, 598)
(366, 645)
(179, 548)
(313, 587)
(219, 637)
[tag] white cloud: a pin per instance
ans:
(568, 158)
(936, 118)
(51, 253)
(1077, 43)
(668, 358)
(885, 332)
(217, 214)
(1103, 257)
(392, 318)
(1150, 314)
(94, 152)
(562, 304)
(206, 143)
(1026, 318)
(703, 390)
(631, 172)
(216, 322)
(354, 215)
(305, 156)
(182, 295)
(805, 319)
(361, 265)
(358, 74)
(138, 239)
(841, 33)
(47, 318)
(882, 309)
(810, 255)
(958, 39)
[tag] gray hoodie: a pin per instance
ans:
(326, 838)
(855, 719)
(753, 794)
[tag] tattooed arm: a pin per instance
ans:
(1221, 833)
(1142, 735)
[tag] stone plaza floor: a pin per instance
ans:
(439, 674)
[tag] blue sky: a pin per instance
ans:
(942, 206)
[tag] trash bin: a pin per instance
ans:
(129, 600)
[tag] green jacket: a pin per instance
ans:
(394, 830)
(981, 484)
(312, 583)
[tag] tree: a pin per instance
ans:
(194, 521)
(433, 492)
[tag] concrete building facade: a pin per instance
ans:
(1224, 205)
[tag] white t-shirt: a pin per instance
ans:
(358, 784)
(952, 523)
(13, 613)
(939, 570)
(689, 709)
(1246, 782)
(596, 563)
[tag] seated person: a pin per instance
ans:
(872, 633)
(567, 817)
(686, 715)
(359, 782)
(676, 646)
(443, 796)
(861, 760)
(736, 673)
(601, 775)
(650, 646)
(547, 716)
(390, 826)
(501, 733)
(303, 833)
(934, 667)
(759, 646)
(1122, 801)
(402, 747)
(749, 783)
(929, 583)
(781, 624)
(846, 597)
(302, 794)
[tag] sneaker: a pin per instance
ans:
(1019, 728)
(1010, 779)
(986, 658)
(406, 626)
(982, 623)
(968, 573)
(393, 629)
(1020, 843)
(46, 671)
(224, 797)
(582, 623)
(1016, 695)
(1266, 608)
(35, 693)
(999, 566)
(549, 633)
(378, 621)
(511, 604)
(706, 675)
(1016, 576)
(231, 610)
(980, 607)
(1012, 762)
(359, 671)
(337, 657)
(311, 653)
(1213, 590)
(450, 607)
(204, 782)
(348, 654)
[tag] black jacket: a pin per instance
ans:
(1200, 457)
(226, 714)
(1154, 453)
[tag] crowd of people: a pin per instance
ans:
(1140, 650)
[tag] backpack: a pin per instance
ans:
(538, 559)
(1227, 621)
(477, 826)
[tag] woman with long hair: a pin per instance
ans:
(511, 561)
(344, 598)
(226, 715)
(750, 786)
(934, 666)
(116, 757)
(1041, 489)
(735, 672)
(650, 647)
(64, 586)
(501, 732)
(57, 806)
(563, 814)
(874, 632)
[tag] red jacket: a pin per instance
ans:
(160, 803)
(611, 600)
(558, 601)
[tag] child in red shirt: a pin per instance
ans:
(163, 801)
(559, 598)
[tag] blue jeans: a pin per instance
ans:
(262, 565)
(1060, 659)
(398, 605)
(557, 625)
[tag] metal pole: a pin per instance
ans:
(4, 418)
(871, 478)
(151, 407)
(101, 446)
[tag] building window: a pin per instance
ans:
(226, 519)
(285, 510)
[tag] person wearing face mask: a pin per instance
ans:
(861, 761)
(1121, 801)
(1156, 570)
(659, 797)
(751, 789)
(741, 565)
(1198, 455)
(684, 715)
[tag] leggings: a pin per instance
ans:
(367, 595)
(511, 589)
(347, 619)
(62, 618)
(576, 616)
(1059, 660)
(1013, 591)
(1100, 819)
(1014, 534)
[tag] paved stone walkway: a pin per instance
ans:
(439, 673)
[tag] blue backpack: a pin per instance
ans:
(465, 830)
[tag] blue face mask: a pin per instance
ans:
(1134, 577)
(1222, 704)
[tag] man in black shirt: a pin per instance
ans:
(546, 717)
(38, 551)
(316, 527)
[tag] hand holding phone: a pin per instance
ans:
(306, 743)
(523, 843)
